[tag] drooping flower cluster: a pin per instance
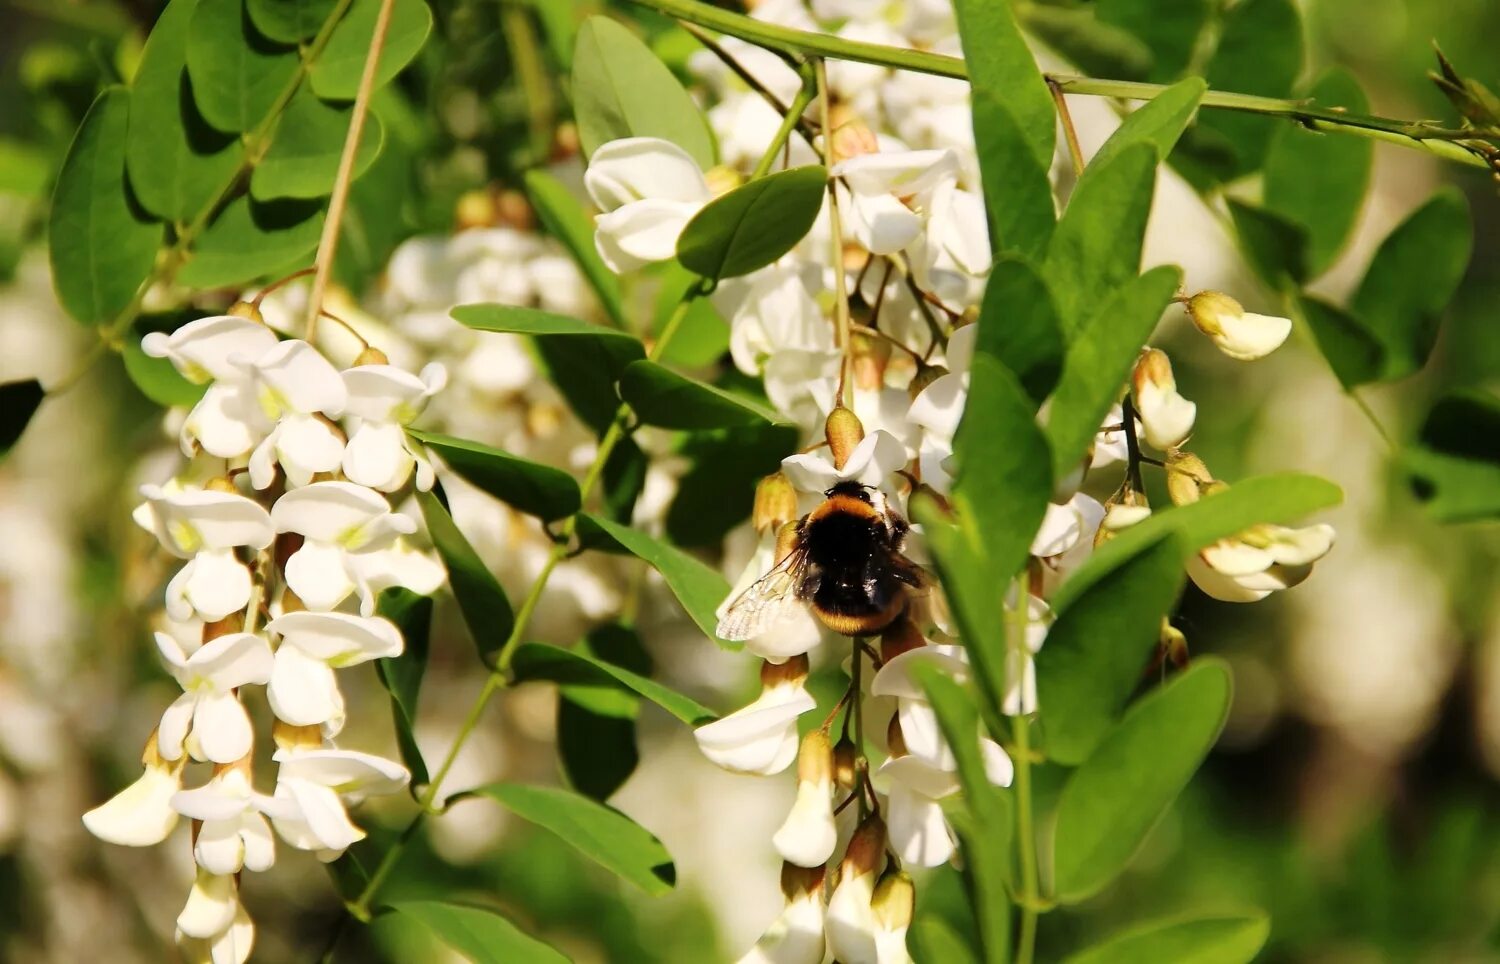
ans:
(283, 520)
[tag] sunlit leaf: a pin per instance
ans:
(1018, 325)
(237, 73)
(1159, 122)
(541, 490)
(289, 21)
(178, 164)
(402, 675)
(754, 224)
(484, 606)
(604, 835)
(338, 70)
(1170, 29)
(1099, 646)
(480, 934)
(101, 246)
(251, 239)
(157, 378)
(567, 221)
(18, 402)
(621, 89)
(1078, 34)
(1112, 801)
(309, 141)
(1227, 939)
(540, 661)
(660, 396)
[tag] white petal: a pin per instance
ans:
(336, 512)
(306, 445)
(1235, 558)
(850, 922)
(232, 660)
(341, 639)
(901, 173)
(377, 456)
(345, 770)
(809, 472)
(919, 776)
(895, 677)
(226, 421)
(808, 835)
(1299, 547)
(141, 814)
(634, 168)
(302, 691)
(211, 347)
(219, 849)
(923, 735)
(325, 816)
(398, 565)
(643, 232)
(796, 937)
(754, 739)
(222, 728)
(1020, 682)
(940, 406)
(1166, 415)
(1219, 586)
(295, 377)
(1060, 530)
(918, 830)
(213, 801)
(172, 731)
(210, 907)
(881, 223)
(217, 584)
(316, 573)
(190, 520)
(1251, 336)
(997, 764)
(385, 393)
(260, 846)
(175, 598)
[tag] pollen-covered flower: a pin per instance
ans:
(383, 400)
(1259, 561)
(648, 189)
(208, 718)
(302, 689)
(761, 737)
(339, 521)
(234, 833)
(1166, 416)
(205, 526)
(808, 835)
(1239, 333)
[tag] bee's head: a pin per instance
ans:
(850, 488)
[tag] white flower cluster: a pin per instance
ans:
(915, 243)
(278, 589)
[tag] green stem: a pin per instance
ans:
(1434, 140)
(805, 95)
(536, 89)
(1025, 829)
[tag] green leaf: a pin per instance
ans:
(541, 661)
(621, 89)
(1412, 278)
(1003, 478)
(754, 224)
(1454, 467)
(100, 245)
(985, 823)
(1015, 126)
(1018, 325)
(583, 359)
(699, 588)
(1097, 47)
(18, 402)
(1159, 122)
(661, 397)
(1281, 498)
(1096, 249)
(309, 141)
(1099, 360)
(1098, 648)
(1228, 939)
(484, 606)
(717, 491)
(934, 941)
(1275, 247)
(402, 675)
(604, 835)
(290, 21)
(158, 379)
(702, 336)
(1354, 354)
(1319, 180)
(178, 164)
(567, 221)
(596, 724)
(1170, 29)
(338, 70)
(478, 933)
(1112, 801)
(1259, 52)
(251, 239)
(237, 74)
(531, 487)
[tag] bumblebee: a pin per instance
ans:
(844, 563)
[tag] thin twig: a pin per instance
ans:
(836, 229)
(1069, 132)
(328, 244)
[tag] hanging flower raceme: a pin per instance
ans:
(233, 833)
(1239, 333)
(647, 190)
(762, 737)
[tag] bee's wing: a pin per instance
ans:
(767, 601)
(916, 577)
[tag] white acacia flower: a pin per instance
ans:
(1166, 416)
(850, 920)
(213, 348)
(894, 903)
(648, 189)
(761, 737)
(808, 835)
(141, 814)
(339, 522)
(796, 936)
(795, 633)
(233, 834)
(1260, 561)
(920, 731)
(398, 564)
(213, 904)
(205, 526)
(208, 718)
(1066, 527)
(1239, 334)
(874, 188)
(294, 386)
(1020, 666)
(939, 408)
(872, 462)
(232, 946)
(776, 313)
(914, 789)
(312, 788)
(302, 690)
(383, 400)
(953, 251)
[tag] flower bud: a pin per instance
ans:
(1118, 517)
(845, 763)
(850, 920)
(1186, 476)
(1165, 415)
(246, 309)
(512, 210)
(475, 209)
(808, 835)
(844, 432)
(894, 902)
(871, 355)
(1239, 334)
(926, 375)
(852, 138)
(1173, 644)
(899, 637)
(796, 937)
(775, 503)
(371, 356)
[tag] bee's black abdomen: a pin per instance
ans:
(842, 546)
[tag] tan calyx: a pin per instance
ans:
(844, 432)
(866, 851)
(775, 503)
(1187, 475)
(926, 375)
(845, 768)
(801, 881)
(815, 759)
(371, 356)
(793, 671)
(894, 901)
(1207, 307)
(233, 623)
(894, 738)
(871, 356)
(221, 483)
(246, 309)
(289, 737)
